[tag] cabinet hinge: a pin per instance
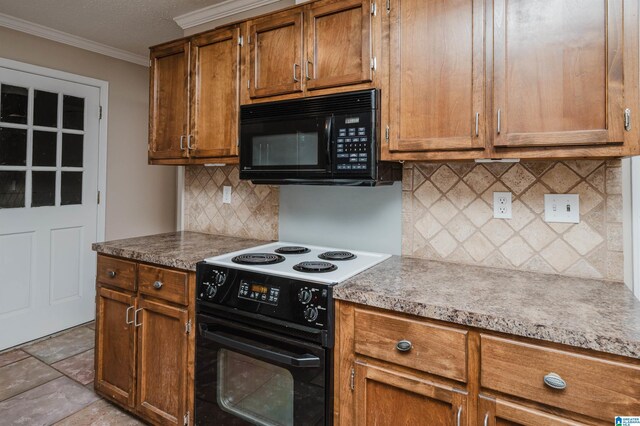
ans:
(386, 133)
(249, 39)
(353, 379)
(187, 327)
(248, 84)
(374, 63)
(100, 112)
(388, 6)
(186, 419)
(374, 9)
(627, 119)
(98, 197)
(241, 41)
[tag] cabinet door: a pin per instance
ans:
(162, 362)
(115, 346)
(215, 93)
(276, 54)
(169, 93)
(436, 75)
(505, 413)
(385, 397)
(557, 72)
(338, 43)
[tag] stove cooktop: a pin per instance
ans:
(325, 265)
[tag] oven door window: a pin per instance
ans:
(254, 390)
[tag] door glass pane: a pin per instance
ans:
(12, 186)
(72, 150)
(294, 149)
(13, 147)
(13, 103)
(44, 189)
(44, 148)
(73, 112)
(45, 108)
(71, 188)
(254, 390)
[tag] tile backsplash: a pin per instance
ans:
(448, 215)
(253, 212)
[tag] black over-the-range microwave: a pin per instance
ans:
(323, 140)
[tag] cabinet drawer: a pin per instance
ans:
(116, 272)
(434, 349)
(163, 283)
(594, 387)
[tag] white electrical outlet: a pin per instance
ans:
(562, 208)
(226, 194)
(502, 205)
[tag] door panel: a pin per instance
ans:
(385, 397)
(162, 362)
(276, 54)
(436, 77)
(215, 93)
(49, 137)
(557, 72)
(115, 346)
(169, 92)
(339, 44)
(504, 413)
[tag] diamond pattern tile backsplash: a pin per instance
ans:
(448, 215)
(253, 212)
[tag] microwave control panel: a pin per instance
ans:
(353, 141)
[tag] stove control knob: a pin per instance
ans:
(311, 313)
(210, 291)
(219, 278)
(304, 296)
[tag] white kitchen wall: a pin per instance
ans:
(356, 218)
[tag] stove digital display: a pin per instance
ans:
(258, 292)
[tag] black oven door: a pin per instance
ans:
(297, 147)
(245, 376)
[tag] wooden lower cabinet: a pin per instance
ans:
(505, 413)
(144, 347)
(387, 397)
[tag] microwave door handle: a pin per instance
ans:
(328, 124)
(303, 361)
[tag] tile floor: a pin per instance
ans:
(50, 382)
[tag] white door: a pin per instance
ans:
(49, 133)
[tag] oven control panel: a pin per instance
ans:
(313, 304)
(353, 143)
(259, 292)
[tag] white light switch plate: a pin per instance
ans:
(562, 208)
(502, 205)
(226, 194)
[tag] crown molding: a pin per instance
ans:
(61, 37)
(218, 11)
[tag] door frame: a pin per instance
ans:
(103, 87)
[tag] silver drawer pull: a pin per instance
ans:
(135, 318)
(554, 381)
(157, 285)
(126, 319)
(111, 274)
(404, 346)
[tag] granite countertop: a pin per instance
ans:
(180, 250)
(592, 314)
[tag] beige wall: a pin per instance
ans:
(140, 199)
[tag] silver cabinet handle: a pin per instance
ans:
(486, 420)
(404, 346)
(126, 319)
(181, 142)
(157, 285)
(477, 123)
(135, 318)
(306, 69)
(458, 416)
(554, 381)
(627, 119)
(499, 120)
(189, 142)
(295, 74)
(111, 274)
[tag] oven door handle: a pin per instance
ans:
(303, 361)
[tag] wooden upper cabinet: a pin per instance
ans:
(339, 50)
(169, 94)
(558, 76)
(215, 93)
(277, 61)
(386, 397)
(436, 75)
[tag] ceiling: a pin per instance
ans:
(130, 25)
